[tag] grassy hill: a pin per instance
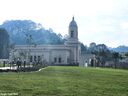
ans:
(66, 81)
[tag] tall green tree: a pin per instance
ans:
(4, 44)
(115, 56)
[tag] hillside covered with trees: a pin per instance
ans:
(18, 31)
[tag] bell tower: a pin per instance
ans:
(73, 30)
(73, 42)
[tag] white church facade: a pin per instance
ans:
(67, 54)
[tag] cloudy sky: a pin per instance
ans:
(100, 21)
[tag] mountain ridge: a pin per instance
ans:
(18, 31)
(121, 48)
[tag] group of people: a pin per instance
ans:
(18, 63)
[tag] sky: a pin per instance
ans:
(99, 21)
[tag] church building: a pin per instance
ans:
(67, 54)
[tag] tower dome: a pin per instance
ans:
(73, 29)
(73, 23)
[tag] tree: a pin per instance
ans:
(101, 57)
(126, 54)
(29, 43)
(102, 53)
(12, 50)
(4, 44)
(83, 48)
(115, 56)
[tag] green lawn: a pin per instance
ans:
(66, 81)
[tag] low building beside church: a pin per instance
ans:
(67, 54)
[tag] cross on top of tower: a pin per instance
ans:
(73, 18)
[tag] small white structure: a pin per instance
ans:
(67, 54)
(85, 60)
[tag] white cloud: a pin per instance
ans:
(124, 25)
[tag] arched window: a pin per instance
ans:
(72, 33)
(59, 60)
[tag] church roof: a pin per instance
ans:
(73, 23)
